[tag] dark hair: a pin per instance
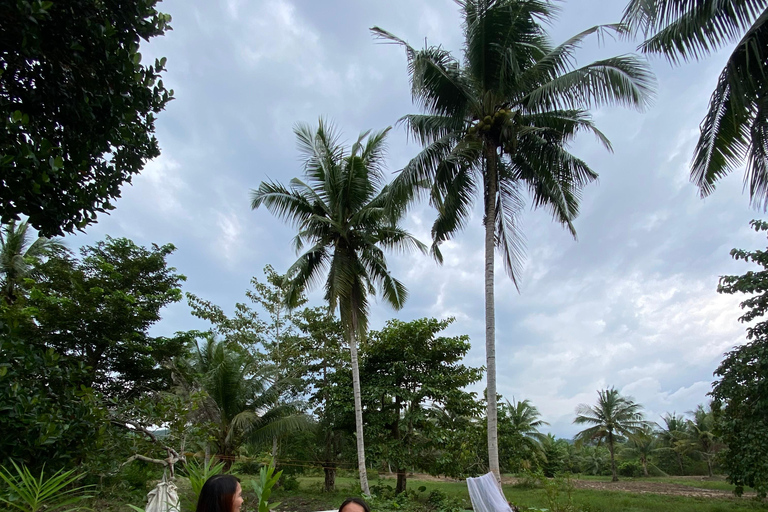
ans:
(218, 494)
(359, 501)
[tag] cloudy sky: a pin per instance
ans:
(631, 304)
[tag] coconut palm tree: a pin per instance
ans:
(735, 128)
(701, 427)
(19, 256)
(519, 423)
(498, 123)
(641, 446)
(613, 417)
(345, 215)
(241, 402)
(676, 437)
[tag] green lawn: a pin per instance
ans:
(586, 500)
(715, 483)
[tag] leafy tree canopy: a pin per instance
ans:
(77, 107)
(741, 390)
(99, 308)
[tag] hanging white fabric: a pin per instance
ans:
(486, 494)
(163, 498)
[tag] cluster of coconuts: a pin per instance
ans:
(486, 123)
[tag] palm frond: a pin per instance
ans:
(625, 80)
(683, 30)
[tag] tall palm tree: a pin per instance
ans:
(19, 256)
(498, 123)
(735, 128)
(241, 402)
(345, 215)
(613, 417)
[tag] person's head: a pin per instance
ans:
(354, 505)
(220, 493)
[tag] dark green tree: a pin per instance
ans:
(98, 309)
(46, 417)
(499, 123)
(326, 376)
(77, 107)
(740, 391)
(408, 366)
(733, 132)
(613, 418)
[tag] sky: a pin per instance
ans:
(631, 304)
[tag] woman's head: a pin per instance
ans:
(354, 505)
(220, 493)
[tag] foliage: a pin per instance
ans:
(554, 453)
(240, 403)
(733, 131)
(77, 107)
(519, 436)
(45, 416)
(29, 493)
(740, 393)
(675, 436)
(263, 487)
(99, 308)
(499, 123)
(346, 217)
(407, 366)
(199, 473)
(613, 418)
(19, 257)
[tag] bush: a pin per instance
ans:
(630, 468)
(289, 483)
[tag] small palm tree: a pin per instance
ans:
(519, 423)
(613, 418)
(701, 427)
(676, 437)
(19, 257)
(735, 128)
(347, 217)
(499, 123)
(241, 403)
(641, 446)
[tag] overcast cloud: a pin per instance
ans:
(631, 304)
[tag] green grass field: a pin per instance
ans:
(309, 494)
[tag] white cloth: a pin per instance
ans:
(163, 498)
(486, 494)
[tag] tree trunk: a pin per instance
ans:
(613, 459)
(645, 466)
(490, 314)
(401, 481)
(329, 484)
(358, 407)
(709, 465)
(680, 463)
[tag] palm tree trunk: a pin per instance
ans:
(490, 314)
(358, 406)
(645, 466)
(615, 477)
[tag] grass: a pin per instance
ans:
(309, 496)
(717, 483)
